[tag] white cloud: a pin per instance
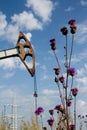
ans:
(83, 55)
(82, 81)
(83, 2)
(81, 72)
(9, 31)
(50, 92)
(44, 101)
(14, 63)
(29, 36)
(82, 109)
(9, 75)
(12, 33)
(43, 67)
(47, 98)
(7, 94)
(81, 35)
(23, 21)
(75, 59)
(3, 23)
(44, 77)
(10, 63)
(26, 20)
(42, 9)
(69, 9)
(29, 64)
(83, 90)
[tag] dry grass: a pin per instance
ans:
(24, 125)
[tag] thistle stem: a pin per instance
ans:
(41, 121)
(57, 61)
(71, 50)
(66, 52)
(56, 58)
(71, 86)
(66, 102)
(61, 97)
(51, 127)
(75, 112)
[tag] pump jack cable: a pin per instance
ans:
(35, 94)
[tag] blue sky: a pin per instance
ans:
(40, 21)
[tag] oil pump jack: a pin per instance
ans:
(22, 50)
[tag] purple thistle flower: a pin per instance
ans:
(50, 121)
(74, 91)
(71, 71)
(73, 29)
(51, 111)
(61, 79)
(72, 26)
(60, 108)
(82, 116)
(72, 127)
(72, 22)
(53, 44)
(39, 110)
(57, 70)
(79, 116)
(69, 103)
(64, 30)
(56, 79)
